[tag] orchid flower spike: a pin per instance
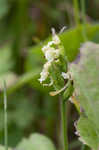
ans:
(53, 52)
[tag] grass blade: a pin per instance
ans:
(5, 117)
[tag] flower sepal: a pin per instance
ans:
(68, 91)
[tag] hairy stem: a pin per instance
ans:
(64, 124)
(5, 118)
(76, 12)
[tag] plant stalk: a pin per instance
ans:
(64, 124)
(5, 118)
(76, 12)
(83, 10)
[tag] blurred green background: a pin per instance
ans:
(23, 25)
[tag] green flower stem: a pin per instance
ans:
(5, 118)
(76, 12)
(83, 10)
(64, 124)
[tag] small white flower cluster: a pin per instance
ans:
(50, 54)
(45, 72)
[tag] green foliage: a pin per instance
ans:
(85, 74)
(4, 8)
(18, 106)
(6, 61)
(21, 108)
(73, 38)
(33, 67)
(87, 132)
(25, 78)
(68, 92)
(35, 142)
(6, 66)
(23, 24)
(3, 148)
(35, 57)
(71, 50)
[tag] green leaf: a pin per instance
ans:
(3, 148)
(85, 73)
(86, 131)
(29, 77)
(73, 38)
(36, 142)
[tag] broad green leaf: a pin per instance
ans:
(87, 132)
(85, 73)
(36, 142)
(73, 38)
(3, 148)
